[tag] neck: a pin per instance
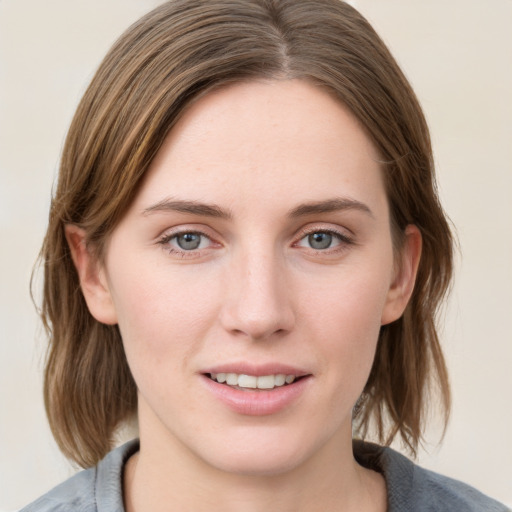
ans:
(166, 476)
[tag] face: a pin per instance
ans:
(258, 251)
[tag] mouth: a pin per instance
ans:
(257, 390)
(254, 383)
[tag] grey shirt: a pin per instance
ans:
(410, 488)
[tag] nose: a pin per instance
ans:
(258, 300)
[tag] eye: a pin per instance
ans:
(189, 241)
(185, 242)
(322, 240)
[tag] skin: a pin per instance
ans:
(255, 291)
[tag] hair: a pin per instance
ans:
(175, 54)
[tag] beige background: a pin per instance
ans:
(458, 55)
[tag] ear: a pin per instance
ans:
(404, 277)
(92, 276)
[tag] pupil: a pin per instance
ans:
(189, 241)
(320, 240)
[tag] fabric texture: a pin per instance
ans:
(410, 488)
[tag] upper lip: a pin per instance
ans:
(258, 370)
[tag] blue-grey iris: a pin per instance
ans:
(320, 240)
(188, 241)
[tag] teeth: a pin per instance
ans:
(253, 382)
(232, 379)
(279, 380)
(266, 382)
(247, 381)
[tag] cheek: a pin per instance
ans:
(345, 315)
(163, 315)
(351, 301)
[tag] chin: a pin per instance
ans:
(259, 464)
(259, 454)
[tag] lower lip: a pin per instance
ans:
(257, 402)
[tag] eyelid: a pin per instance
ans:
(180, 229)
(343, 233)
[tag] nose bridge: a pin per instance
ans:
(257, 302)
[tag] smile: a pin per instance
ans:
(242, 381)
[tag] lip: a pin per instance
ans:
(258, 370)
(252, 402)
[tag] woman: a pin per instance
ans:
(246, 251)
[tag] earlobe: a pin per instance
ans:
(402, 285)
(92, 277)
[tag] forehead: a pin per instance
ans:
(262, 139)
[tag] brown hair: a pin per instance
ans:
(173, 55)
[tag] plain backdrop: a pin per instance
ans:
(456, 53)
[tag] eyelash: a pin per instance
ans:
(342, 238)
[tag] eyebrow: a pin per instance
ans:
(191, 207)
(329, 206)
(212, 210)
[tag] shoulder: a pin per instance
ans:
(411, 487)
(76, 493)
(97, 489)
